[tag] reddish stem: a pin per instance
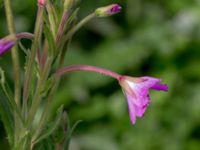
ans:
(62, 25)
(61, 71)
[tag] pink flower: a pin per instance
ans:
(136, 91)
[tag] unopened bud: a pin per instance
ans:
(108, 10)
(9, 41)
(41, 2)
(68, 4)
(6, 44)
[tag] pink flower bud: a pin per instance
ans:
(6, 44)
(108, 10)
(41, 2)
(136, 91)
(9, 41)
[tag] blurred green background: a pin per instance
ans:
(158, 38)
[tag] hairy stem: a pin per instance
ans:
(25, 35)
(103, 71)
(77, 27)
(30, 64)
(37, 96)
(16, 68)
(15, 57)
(59, 73)
(62, 25)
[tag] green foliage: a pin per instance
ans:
(150, 37)
(7, 115)
(53, 126)
(157, 38)
(1, 3)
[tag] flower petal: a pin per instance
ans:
(148, 82)
(162, 87)
(135, 110)
(137, 93)
(131, 108)
(141, 93)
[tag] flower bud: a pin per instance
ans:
(108, 10)
(7, 43)
(68, 4)
(41, 2)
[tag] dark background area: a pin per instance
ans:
(157, 38)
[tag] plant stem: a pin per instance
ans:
(44, 116)
(59, 73)
(16, 69)
(77, 27)
(103, 71)
(25, 35)
(71, 33)
(46, 110)
(37, 95)
(30, 64)
(45, 113)
(62, 25)
(15, 57)
(80, 24)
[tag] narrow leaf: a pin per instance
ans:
(69, 134)
(9, 94)
(50, 39)
(52, 127)
(6, 115)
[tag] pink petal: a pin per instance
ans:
(141, 110)
(148, 82)
(162, 87)
(137, 94)
(132, 109)
(115, 9)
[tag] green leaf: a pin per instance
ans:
(52, 127)
(9, 94)
(70, 21)
(48, 85)
(6, 115)
(69, 134)
(68, 130)
(50, 39)
(71, 18)
(52, 18)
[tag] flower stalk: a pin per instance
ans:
(62, 25)
(9, 41)
(77, 27)
(30, 64)
(16, 67)
(135, 89)
(37, 96)
(14, 54)
(103, 71)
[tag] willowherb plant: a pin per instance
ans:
(43, 70)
